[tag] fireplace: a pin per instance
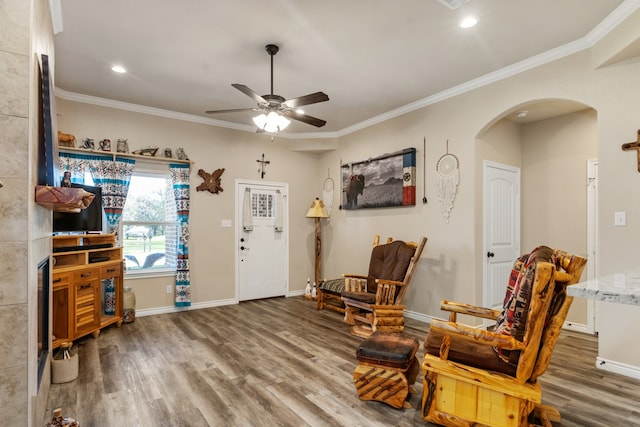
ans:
(43, 316)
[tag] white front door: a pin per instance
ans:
(261, 239)
(501, 200)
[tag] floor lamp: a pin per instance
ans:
(317, 211)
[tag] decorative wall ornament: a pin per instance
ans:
(447, 179)
(633, 146)
(212, 182)
(383, 181)
(327, 193)
(263, 166)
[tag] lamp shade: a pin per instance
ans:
(272, 122)
(317, 210)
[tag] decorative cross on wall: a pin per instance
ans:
(263, 165)
(634, 146)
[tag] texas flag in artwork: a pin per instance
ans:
(409, 177)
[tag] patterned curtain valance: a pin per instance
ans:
(111, 174)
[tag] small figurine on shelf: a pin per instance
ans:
(66, 179)
(105, 145)
(122, 146)
(180, 154)
(149, 151)
(167, 153)
(66, 140)
(88, 144)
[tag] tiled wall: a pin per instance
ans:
(25, 228)
(14, 207)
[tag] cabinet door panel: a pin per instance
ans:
(87, 306)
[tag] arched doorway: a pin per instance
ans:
(551, 143)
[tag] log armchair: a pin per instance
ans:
(479, 377)
(374, 302)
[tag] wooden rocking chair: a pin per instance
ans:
(477, 377)
(374, 302)
(329, 292)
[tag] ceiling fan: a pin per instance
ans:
(275, 109)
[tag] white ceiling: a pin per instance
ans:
(374, 58)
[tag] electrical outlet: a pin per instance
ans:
(169, 289)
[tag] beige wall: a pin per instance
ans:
(554, 190)
(554, 172)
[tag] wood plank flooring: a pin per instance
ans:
(280, 362)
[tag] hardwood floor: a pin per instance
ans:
(280, 362)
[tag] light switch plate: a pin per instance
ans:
(620, 219)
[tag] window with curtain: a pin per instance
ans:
(149, 225)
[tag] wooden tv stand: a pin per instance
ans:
(82, 264)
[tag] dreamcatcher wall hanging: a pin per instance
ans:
(327, 193)
(447, 179)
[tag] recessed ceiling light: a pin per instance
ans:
(522, 114)
(119, 69)
(468, 22)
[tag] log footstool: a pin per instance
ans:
(387, 368)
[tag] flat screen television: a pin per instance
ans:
(88, 219)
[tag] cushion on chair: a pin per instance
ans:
(513, 319)
(365, 297)
(469, 353)
(389, 349)
(389, 261)
(333, 285)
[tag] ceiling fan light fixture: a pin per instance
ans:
(272, 122)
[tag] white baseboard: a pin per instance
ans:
(418, 316)
(172, 309)
(578, 327)
(618, 368)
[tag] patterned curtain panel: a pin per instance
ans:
(180, 179)
(77, 164)
(113, 176)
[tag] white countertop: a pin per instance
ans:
(622, 288)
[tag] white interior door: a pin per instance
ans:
(501, 210)
(261, 240)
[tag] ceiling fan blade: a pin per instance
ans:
(305, 118)
(312, 98)
(233, 110)
(250, 93)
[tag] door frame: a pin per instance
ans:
(284, 188)
(592, 239)
(517, 220)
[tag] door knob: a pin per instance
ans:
(490, 254)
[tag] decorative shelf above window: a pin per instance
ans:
(63, 199)
(129, 155)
